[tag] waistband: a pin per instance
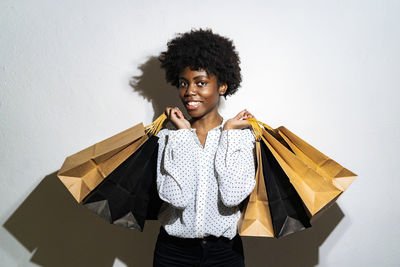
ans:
(191, 241)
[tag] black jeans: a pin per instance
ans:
(209, 251)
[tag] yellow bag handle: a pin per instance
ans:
(255, 124)
(156, 125)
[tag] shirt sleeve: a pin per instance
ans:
(176, 167)
(235, 165)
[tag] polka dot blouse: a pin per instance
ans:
(202, 187)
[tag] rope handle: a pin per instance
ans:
(156, 125)
(256, 125)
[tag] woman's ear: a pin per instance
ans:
(222, 89)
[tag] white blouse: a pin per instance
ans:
(203, 187)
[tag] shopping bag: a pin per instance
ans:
(255, 219)
(84, 170)
(287, 211)
(85, 175)
(273, 209)
(127, 197)
(316, 190)
(322, 164)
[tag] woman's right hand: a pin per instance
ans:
(177, 118)
(239, 121)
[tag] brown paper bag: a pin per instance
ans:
(256, 219)
(315, 190)
(323, 165)
(83, 171)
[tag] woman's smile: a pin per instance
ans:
(192, 105)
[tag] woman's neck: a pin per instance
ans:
(206, 122)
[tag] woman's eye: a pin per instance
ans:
(202, 83)
(181, 84)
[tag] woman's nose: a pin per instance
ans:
(191, 89)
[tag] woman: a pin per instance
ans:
(206, 167)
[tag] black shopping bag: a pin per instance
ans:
(128, 196)
(287, 211)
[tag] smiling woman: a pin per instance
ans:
(206, 167)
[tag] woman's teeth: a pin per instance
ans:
(193, 103)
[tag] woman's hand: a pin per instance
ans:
(177, 118)
(239, 121)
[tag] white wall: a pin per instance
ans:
(327, 70)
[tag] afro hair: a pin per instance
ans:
(202, 49)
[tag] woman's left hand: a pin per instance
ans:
(239, 121)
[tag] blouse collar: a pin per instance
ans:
(215, 128)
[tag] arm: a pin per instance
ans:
(235, 165)
(176, 167)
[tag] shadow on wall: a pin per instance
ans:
(65, 233)
(61, 232)
(152, 86)
(298, 249)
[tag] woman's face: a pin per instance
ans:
(199, 91)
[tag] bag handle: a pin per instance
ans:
(256, 125)
(156, 125)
